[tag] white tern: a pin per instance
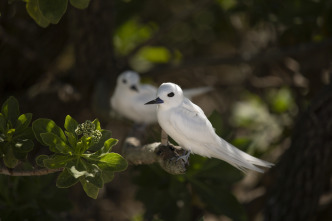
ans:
(187, 124)
(130, 95)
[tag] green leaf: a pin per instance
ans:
(106, 134)
(108, 144)
(57, 161)
(80, 4)
(26, 133)
(89, 171)
(72, 139)
(94, 175)
(43, 125)
(97, 124)
(23, 145)
(70, 124)
(10, 110)
(80, 147)
(65, 179)
(57, 144)
(53, 10)
(112, 162)
(107, 176)
(32, 7)
(77, 169)
(23, 122)
(155, 54)
(3, 123)
(9, 159)
(40, 160)
(90, 189)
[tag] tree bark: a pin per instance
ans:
(305, 168)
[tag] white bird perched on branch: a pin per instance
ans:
(187, 124)
(130, 95)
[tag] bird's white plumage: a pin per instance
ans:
(130, 96)
(187, 124)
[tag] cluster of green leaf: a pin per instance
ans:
(46, 12)
(82, 151)
(15, 134)
(86, 159)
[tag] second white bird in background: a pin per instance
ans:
(130, 96)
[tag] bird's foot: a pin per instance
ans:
(185, 157)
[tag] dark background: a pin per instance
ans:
(270, 65)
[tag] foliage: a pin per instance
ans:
(32, 198)
(46, 12)
(83, 150)
(15, 134)
(205, 186)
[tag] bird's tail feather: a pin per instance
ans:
(238, 158)
(189, 93)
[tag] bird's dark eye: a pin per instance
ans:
(170, 94)
(124, 81)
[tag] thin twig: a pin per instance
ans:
(35, 172)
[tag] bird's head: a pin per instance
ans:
(129, 80)
(168, 95)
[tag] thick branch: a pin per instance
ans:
(35, 172)
(166, 156)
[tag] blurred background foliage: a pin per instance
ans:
(266, 60)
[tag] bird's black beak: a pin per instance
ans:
(134, 88)
(156, 101)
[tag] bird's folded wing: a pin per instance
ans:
(190, 121)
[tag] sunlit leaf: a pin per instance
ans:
(10, 110)
(97, 124)
(281, 100)
(112, 162)
(70, 124)
(54, 141)
(155, 54)
(23, 121)
(43, 125)
(130, 34)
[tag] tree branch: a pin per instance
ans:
(34, 172)
(166, 156)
